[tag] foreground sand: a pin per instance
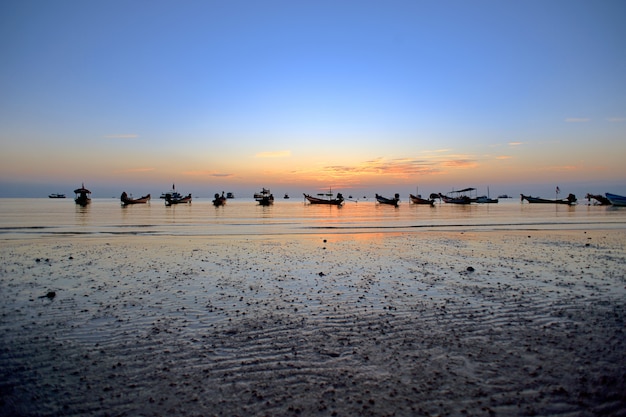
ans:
(370, 324)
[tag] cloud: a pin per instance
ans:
(501, 157)
(399, 168)
(515, 143)
(273, 154)
(577, 120)
(460, 163)
(616, 119)
(122, 136)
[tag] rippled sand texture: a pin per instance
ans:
(357, 325)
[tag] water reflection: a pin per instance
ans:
(82, 214)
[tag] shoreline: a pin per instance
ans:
(316, 324)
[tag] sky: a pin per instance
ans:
(300, 96)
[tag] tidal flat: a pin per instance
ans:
(518, 322)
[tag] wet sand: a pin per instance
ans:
(445, 323)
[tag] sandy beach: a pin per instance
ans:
(426, 323)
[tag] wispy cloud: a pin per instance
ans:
(122, 136)
(561, 168)
(502, 157)
(515, 143)
(577, 120)
(616, 119)
(273, 154)
(460, 163)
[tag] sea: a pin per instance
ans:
(38, 217)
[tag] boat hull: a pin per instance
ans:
(169, 201)
(455, 200)
(389, 201)
(419, 200)
(616, 200)
(571, 199)
(330, 202)
(128, 201)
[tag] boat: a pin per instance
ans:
(55, 195)
(325, 198)
(219, 200)
(504, 196)
(171, 199)
(571, 199)
(82, 196)
(172, 194)
(616, 200)
(230, 195)
(600, 199)
(265, 197)
(483, 199)
(126, 200)
(417, 199)
(486, 199)
(391, 201)
(459, 197)
(286, 197)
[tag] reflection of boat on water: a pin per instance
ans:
(571, 199)
(417, 199)
(82, 196)
(600, 199)
(265, 197)
(459, 197)
(126, 200)
(219, 200)
(325, 198)
(390, 201)
(55, 195)
(616, 200)
(171, 199)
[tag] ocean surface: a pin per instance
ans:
(28, 217)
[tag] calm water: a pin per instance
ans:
(49, 217)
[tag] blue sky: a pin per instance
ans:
(309, 94)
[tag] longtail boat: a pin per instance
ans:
(600, 199)
(327, 200)
(219, 200)
(82, 196)
(616, 200)
(458, 197)
(172, 194)
(126, 200)
(571, 199)
(417, 199)
(265, 197)
(171, 199)
(390, 201)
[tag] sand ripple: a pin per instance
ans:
(383, 325)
